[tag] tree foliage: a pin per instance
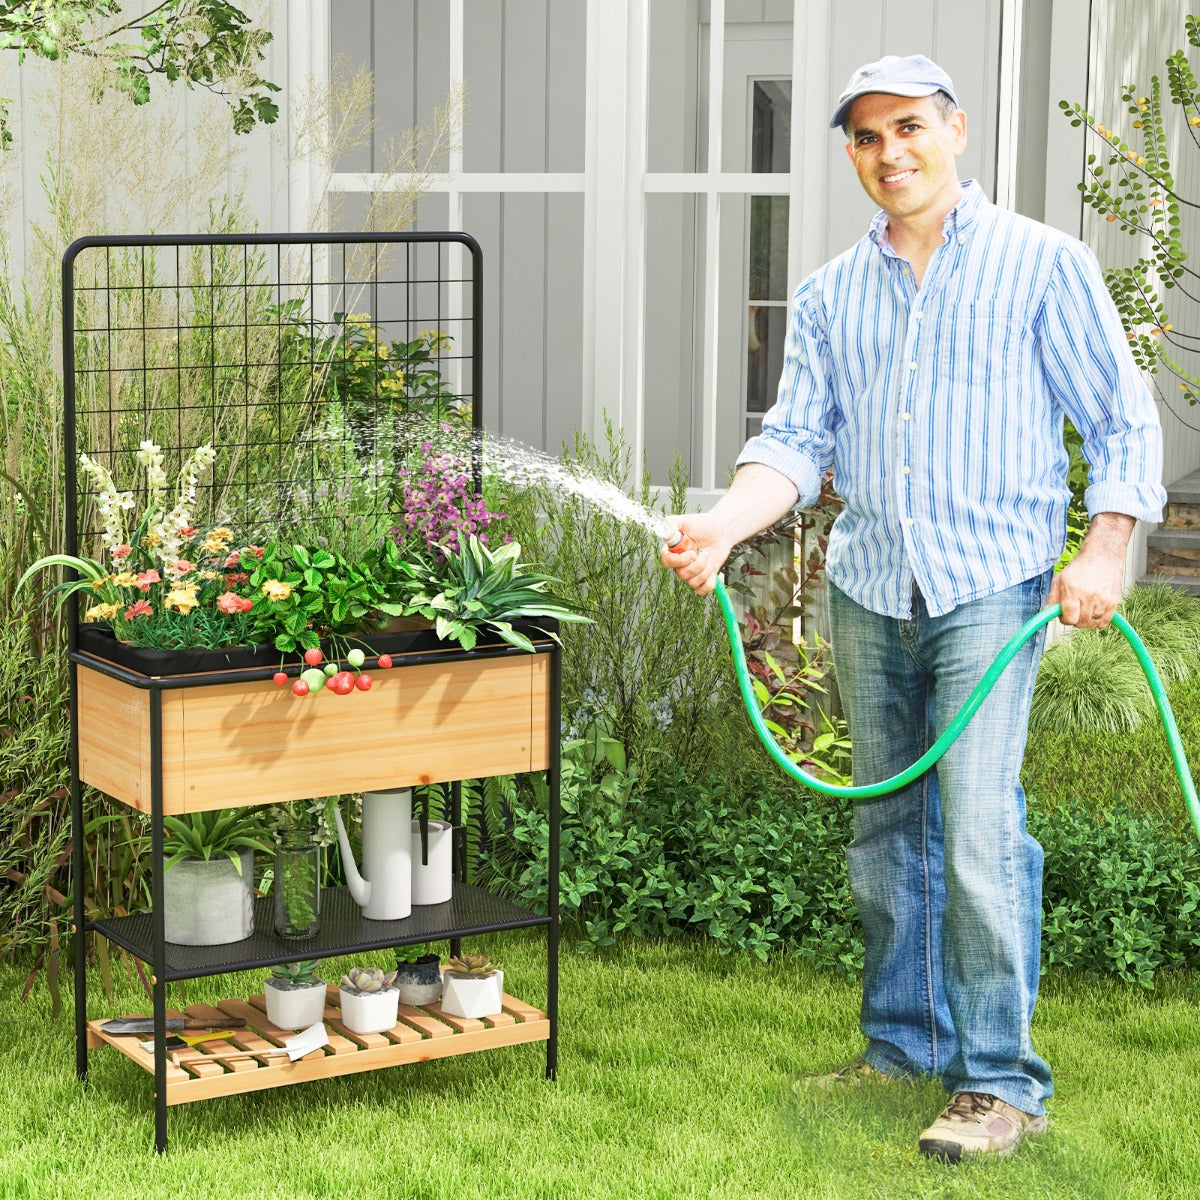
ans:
(1131, 182)
(209, 44)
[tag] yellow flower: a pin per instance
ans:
(124, 579)
(101, 612)
(182, 597)
(276, 589)
(151, 540)
(217, 540)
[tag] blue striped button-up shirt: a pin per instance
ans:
(941, 407)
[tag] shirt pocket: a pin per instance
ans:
(979, 343)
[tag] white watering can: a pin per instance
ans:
(384, 889)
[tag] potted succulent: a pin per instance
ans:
(472, 986)
(208, 897)
(369, 1001)
(418, 975)
(295, 996)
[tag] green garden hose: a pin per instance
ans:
(943, 743)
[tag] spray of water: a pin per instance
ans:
(523, 466)
(347, 469)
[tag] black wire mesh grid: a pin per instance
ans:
(315, 367)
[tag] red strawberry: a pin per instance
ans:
(385, 662)
(281, 678)
(313, 656)
(363, 683)
(300, 687)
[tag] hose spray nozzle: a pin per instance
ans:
(678, 541)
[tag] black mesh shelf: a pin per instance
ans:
(343, 931)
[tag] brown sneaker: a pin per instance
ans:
(859, 1071)
(978, 1123)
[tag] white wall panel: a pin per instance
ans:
(1130, 43)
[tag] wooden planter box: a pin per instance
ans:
(246, 741)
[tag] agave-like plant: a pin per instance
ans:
(478, 586)
(471, 966)
(368, 979)
(210, 834)
(295, 974)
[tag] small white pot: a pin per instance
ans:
(294, 1007)
(370, 1012)
(433, 881)
(472, 997)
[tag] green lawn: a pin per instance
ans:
(673, 1082)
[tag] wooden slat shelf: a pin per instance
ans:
(237, 1064)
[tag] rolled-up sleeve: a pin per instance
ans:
(797, 438)
(1087, 360)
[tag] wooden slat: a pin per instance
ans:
(519, 1009)
(461, 1024)
(420, 1020)
(130, 1046)
(241, 1067)
(394, 1054)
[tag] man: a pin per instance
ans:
(931, 365)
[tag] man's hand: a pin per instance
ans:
(702, 553)
(1089, 586)
(758, 496)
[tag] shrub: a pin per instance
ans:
(1120, 894)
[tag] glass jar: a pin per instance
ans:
(297, 884)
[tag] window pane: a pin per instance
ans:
(764, 355)
(771, 132)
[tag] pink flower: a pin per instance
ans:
(233, 560)
(256, 551)
(146, 578)
(122, 551)
(229, 602)
(236, 577)
(182, 567)
(188, 531)
(140, 609)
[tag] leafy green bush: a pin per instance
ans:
(1121, 893)
(759, 866)
(736, 855)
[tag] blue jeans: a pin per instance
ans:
(947, 881)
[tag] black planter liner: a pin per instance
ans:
(100, 641)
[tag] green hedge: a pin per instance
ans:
(761, 869)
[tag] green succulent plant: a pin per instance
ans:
(289, 976)
(368, 979)
(212, 834)
(471, 966)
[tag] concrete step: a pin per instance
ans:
(1184, 583)
(1183, 503)
(1173, 552)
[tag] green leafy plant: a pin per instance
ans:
(313, 593)
(208, 835)
(289, 976)
(365, 980)
(480, 587)
(1132, 183)
(209, 44)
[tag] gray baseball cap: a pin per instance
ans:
(915, 75)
